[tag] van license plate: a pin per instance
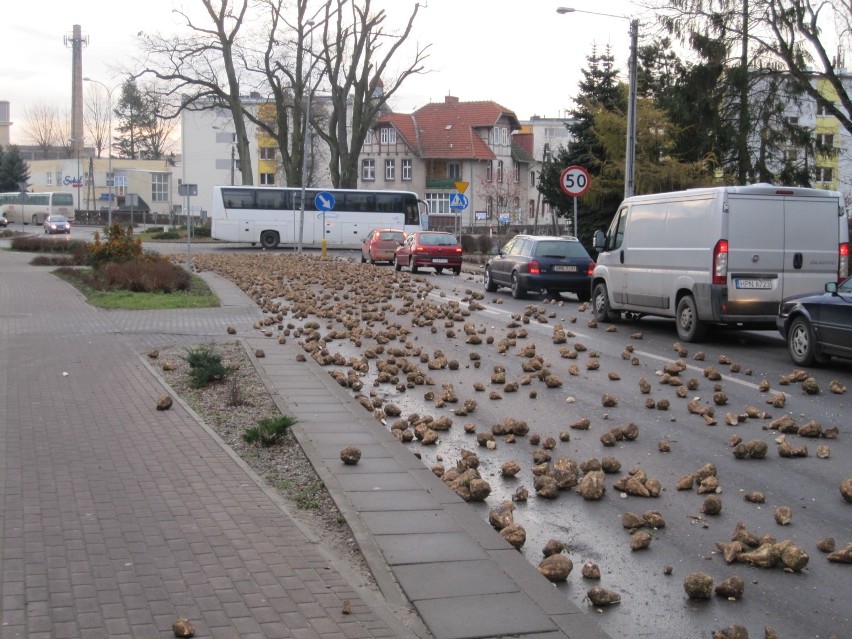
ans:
(562, 268)
(754, 284)
(439, 260)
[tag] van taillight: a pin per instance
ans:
(843, 262)
(720, 262)
(535, 267)
(591, 269)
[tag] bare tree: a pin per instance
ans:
(201, 69)
(356, 55)
(96, 119)
(42, 126)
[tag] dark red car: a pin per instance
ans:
(433, 249)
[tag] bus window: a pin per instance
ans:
(310, 201)
(360, 202)
(412, 212)
(238, 198)
(389, 202)
(272, 199)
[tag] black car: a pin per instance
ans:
(818, 325)
(536, 263)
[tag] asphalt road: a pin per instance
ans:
(812, 603)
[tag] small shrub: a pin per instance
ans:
(205, 366)
(201, 231)
(235, 393)
(269, 431)
(484, 243)
(167, 235)
(154, 229)
(143, 276)
(468, 243)
(119, 245)
(34, 244)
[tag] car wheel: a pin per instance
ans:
(689, 327)
(584, 296)
(439, 269)
(490, 284)
(518, 290)
(396, 265)
(553, 293)
(269, 239)
(412, 265)
(457, 270)
(801, 343)
(601, 308)
(363, 259)
(372, 259)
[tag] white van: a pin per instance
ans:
(724, 255)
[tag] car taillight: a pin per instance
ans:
(720, 262)
(535, 267)
(843, 262)
(591, 268)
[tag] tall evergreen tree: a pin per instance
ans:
(13, 169)
(135, 121)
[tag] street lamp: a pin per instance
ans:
(630, 156)
(22, 185)
(111, 178)
(310, 24)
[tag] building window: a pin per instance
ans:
(489, 169)
(390, 170)
(58, 178)
(793, 119)
(49, 178)
(500, 170)
(368, 170)
(504, 136)
(825, 141)
(388, 135)
(791, 155)
(160, 187)
(495, 136)
(454, 171)
(489, 207)
(531, 208)
(822, 109)
(407, 169)
(824, 174)
(110, 179)
(438, 202)
(268, 152)
(532, 178)
(516, 205)
(517, 173)
(267, 179)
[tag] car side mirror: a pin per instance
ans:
(600, 240)
(831, 287)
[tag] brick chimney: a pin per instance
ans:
(451, 99)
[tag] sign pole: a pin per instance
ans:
(574, 227)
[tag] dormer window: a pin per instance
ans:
(388, 135)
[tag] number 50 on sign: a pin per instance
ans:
(574, 181)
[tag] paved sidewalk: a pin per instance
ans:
(117, 519)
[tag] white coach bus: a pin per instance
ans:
(35, 207)
(270, 216)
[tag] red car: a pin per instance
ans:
(380, 244)
(434, 249)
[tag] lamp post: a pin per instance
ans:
(79, 183)
(22, 185)
(310, 24)
(111, 177)
(630, 155)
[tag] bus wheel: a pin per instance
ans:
(269, 239)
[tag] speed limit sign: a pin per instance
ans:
(575, 181)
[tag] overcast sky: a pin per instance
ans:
(519, 53)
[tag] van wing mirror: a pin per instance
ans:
(600, 240)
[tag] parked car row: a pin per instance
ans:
(420, 249)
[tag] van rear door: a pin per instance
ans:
(755, 255)
(811, 238)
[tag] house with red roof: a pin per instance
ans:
(442, 144)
